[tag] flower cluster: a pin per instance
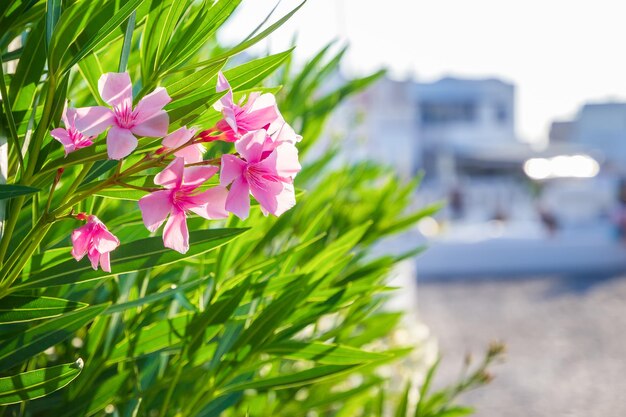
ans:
(264, 164)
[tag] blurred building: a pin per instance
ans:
(600, 128)
(548, 209)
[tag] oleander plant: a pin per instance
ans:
(163, 252)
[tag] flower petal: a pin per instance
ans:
(223, 85)
(151, 104)
(192, 153)
(104, 241)
(116, 89)
(285, 200)
(196, 176)
(281, 132)
(172, 176)
(154, 208)
(62, 136)
(267, 195)
(120, 143)
(238, 200)
(283, 160)
(94, 257)
(91, 121)
(154, 126)
(178, 137)
(232, 167)
(176, 234)
(250, 146)
(105, 262)
(81, 237)
(214, 206)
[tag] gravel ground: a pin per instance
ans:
(565, 337)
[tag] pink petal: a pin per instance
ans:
(116, 89)
(104, 241)
(262, 102)
(175, 234)
(267, 195)
(81, 237)
(64, 116)
(223, 85)
(94, 257)
(178, 137)
(196, 176)
(285, 200)
(62, 136)
(154, 208)
(250, 146)
(232, 167)
(120, 143)
(281, 132)
(92, 121)
(172, 176)
(105, 262)
(238, 200)
(214, 206)
(192, 154)
(283, 160)
(151, 104)
(154, 126)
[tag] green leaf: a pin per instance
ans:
(159, 27)
(199, 31)
(128, 38)
(21, 308)
(403, 404)
(152, 338)
(95, 399)
(41, 337)
(38, 383)
(118, 308)
(251, 73)
(298, 379)
(456, 412)
(15, 190)
(53, 10)
(134, 256)
(250, 41)
(64, 64)
(325, 353)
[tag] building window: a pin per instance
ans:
(436, 113)
(502, 114)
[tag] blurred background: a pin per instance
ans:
(515, 115)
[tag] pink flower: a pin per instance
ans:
(147, 119)
(191, 153)
(258, 113)
(71, 139)
(180, 196)
(95, 240)
(265, 170)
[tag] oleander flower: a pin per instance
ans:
(94, 240)
(191, 153)
(70, 137)
(147, 119)
(259, 112)
(180, 196)
(264, 169)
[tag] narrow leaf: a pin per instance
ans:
(21, 308)
(38, 383)
(41, 337)
(134, 256)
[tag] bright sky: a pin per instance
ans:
(559, 53)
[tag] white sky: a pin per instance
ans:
(559, 53)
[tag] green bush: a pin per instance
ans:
(263, 317)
